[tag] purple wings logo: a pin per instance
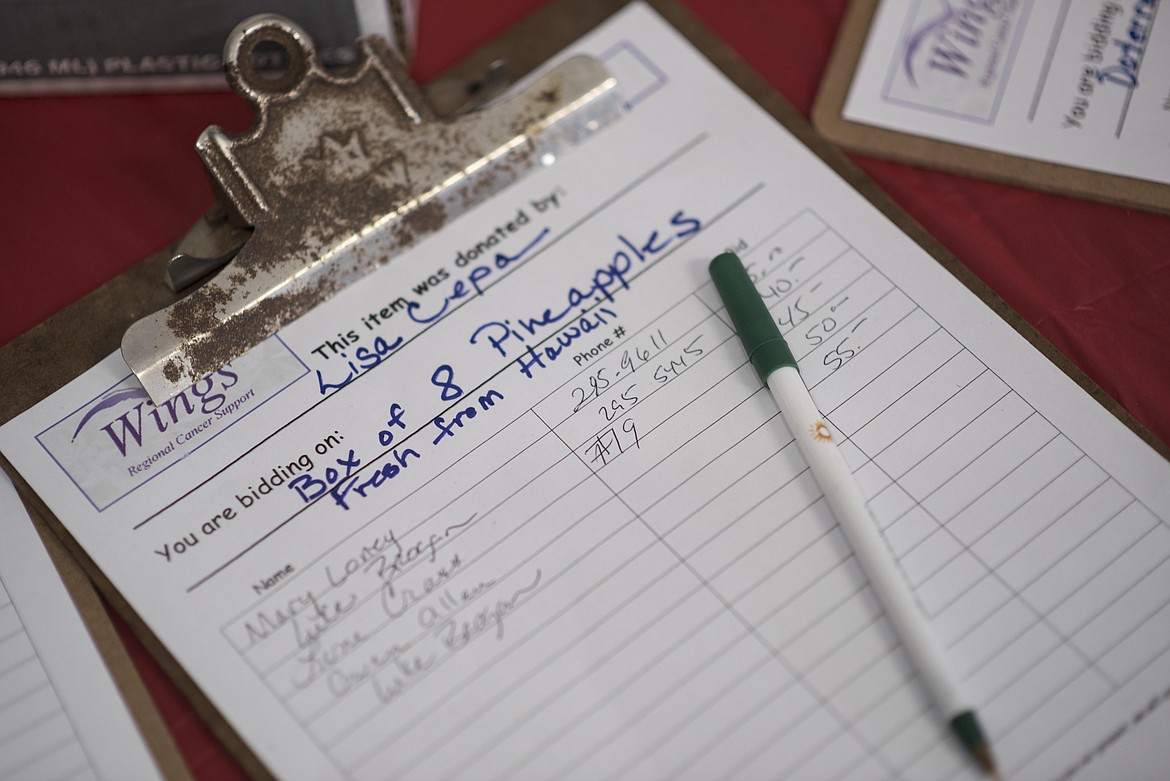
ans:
(956, 54)
(118, 441)
(932, 33)
(108, 401)
(141, 422)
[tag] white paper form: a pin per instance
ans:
(1084, 83)
(60, 713)
(516, 507)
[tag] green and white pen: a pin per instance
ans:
(774, 362)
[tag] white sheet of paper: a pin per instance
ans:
(60, 713)
(1084, 83)
(516, 507)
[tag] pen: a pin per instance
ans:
(774, 362)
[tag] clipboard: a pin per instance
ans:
(51, 355)
(828, 117)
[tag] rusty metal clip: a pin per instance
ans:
(337, 176)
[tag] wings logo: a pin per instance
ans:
(956, 55)
(118, 441)
(126, 431)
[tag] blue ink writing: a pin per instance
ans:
(604, 281)
(386, 435)
(443, 378)
(399, 460)
(364, 359)
(1132, 47)
(473, 283)
(310, 488)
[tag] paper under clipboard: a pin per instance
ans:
(542, 536)
(72, 705)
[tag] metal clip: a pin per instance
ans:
(337, 176)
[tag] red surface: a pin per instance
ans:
(90, 185)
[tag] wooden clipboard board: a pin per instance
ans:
(828, 117)
(61, 348)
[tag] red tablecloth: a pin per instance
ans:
(92, 184)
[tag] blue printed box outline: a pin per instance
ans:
(660, 77)
(1013, 50)
(117, 499)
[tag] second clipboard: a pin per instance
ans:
(908, 147)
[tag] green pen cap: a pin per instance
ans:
(758, 332)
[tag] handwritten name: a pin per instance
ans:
(314, 613)
(455, 634)
(474, 282)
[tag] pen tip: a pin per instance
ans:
(966, 727)
(986, 761)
